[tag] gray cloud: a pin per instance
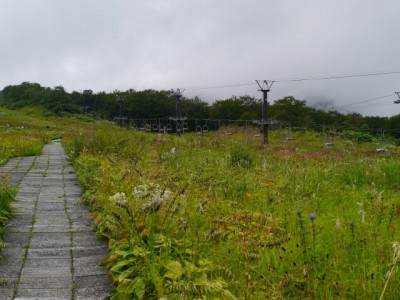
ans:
(161, 44)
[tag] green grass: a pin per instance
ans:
(7, 195)
(246, 209)
(203, 216)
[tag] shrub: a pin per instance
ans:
(154, 266)
(360, 137)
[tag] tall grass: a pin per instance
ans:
(247, 210)
(7, 195)
(222, 216)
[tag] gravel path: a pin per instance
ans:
(51, 252)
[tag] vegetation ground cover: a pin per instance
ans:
(210, 215)
(203, 216)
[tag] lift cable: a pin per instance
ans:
(344, 76)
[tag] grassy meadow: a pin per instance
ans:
(210, 216)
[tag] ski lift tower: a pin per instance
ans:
(265, 87)
(178, 118)
(120, 99)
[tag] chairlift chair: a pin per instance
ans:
(185, 126)
(228, 130)
(328, 135)
(161, 127)
(199, 129)
(382, 140)
(221, 128)
(286, 131)
(178, 127)
(205, 128)
(328, 141)
(287, 134)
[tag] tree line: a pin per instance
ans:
(153, 104)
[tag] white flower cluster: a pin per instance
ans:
(153, 193)
(141, 191)
(118, 199)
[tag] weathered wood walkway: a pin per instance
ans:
(51, 252)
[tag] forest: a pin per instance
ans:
(153, 104)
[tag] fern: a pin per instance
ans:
(157, 266)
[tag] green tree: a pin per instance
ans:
(291, 110)
(236, 107)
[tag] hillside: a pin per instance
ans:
(221, 215)
(157, 107)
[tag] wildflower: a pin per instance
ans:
(172, 151)
(141, 191)
(311, 217)
(337, 222)
(154, 194)
(362, 212)
(118, 199)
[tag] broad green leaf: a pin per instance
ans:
(122, 253)
(190, 268)
(140, 287)
(119, 296)
(126, 286)
(204, 262)
(174, 270)
(121, 264)
(189, 251)
(138, 251)
(126, 273)
(136, 286)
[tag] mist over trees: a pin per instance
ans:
(153, 104)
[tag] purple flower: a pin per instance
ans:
(311, 217)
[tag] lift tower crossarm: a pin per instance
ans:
(398, 100)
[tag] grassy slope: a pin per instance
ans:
(239, 216)
(253, 224)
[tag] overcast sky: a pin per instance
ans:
(168, 44)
